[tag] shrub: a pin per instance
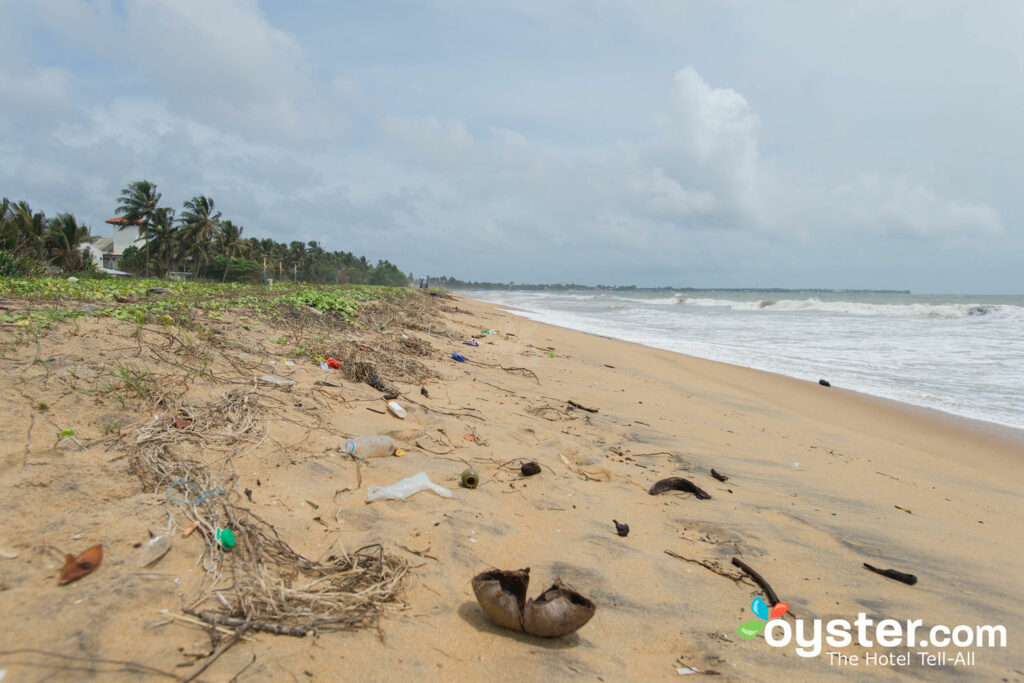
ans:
(20, 266)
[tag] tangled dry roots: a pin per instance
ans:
(269, 581)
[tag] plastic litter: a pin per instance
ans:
(458, 356)
(226, 537)
(154, 550)
(406, 487)
(279, 381)
(470, 479)
(334, 363)
(396, 409)
(471, 343)
(324, 366)
(371, 446)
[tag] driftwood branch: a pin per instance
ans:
(224, 620)
(720, 477)
(574, 404)
(710, 567)
(765, 586)
(908, 579)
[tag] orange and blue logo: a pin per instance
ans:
(763, 613)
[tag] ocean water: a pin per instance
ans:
(961, 354)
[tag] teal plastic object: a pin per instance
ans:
(226, 537)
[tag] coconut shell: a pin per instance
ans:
(502, 595)
(557, 612)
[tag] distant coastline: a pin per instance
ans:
(454, 284)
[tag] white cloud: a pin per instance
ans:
(905, 207)
(224, 64)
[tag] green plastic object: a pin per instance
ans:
(226, 537)
(470, 479)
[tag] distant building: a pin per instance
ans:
(106, 251)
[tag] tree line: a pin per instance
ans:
(29, 241)
(198, 237)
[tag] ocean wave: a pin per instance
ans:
(914, 310)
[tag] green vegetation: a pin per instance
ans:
(29, 241)
(58, 299)
(198, 239)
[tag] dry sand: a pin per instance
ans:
(815, 475)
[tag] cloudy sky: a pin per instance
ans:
(656, 142)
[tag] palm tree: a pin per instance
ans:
(199, 226)
(296, 257)
(28, 231)
(229, 237)
(63, 237)
(138, 205)
(166, 239)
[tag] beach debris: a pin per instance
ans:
(395, 408)
(687, 670)
(824, 383)
(225, 537)
(574, 404)
(370, 446)
(902, 577)
(471, 343)
(900, 507)
(157, 547)
(423, 390)
(558, 611)
(409, 486)
(470, 479)
(458, 356)
(277, 381)
(182, 422)
(333, 363)
(621, 529)
(82, 564)
(769, 592)
(720, 477)
(679, 484)
(390, 396)
(9, 554)
(528, 469)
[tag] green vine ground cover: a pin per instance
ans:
(41, 301)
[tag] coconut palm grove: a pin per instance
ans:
(197, 242)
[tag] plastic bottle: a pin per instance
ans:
(396, 409)
(371, 446)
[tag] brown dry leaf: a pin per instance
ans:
(77, 566)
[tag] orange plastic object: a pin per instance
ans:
(77, 566)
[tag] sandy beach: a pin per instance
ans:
(820, 481)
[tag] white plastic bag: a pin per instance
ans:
(407, 487)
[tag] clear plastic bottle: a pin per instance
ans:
(371, 446)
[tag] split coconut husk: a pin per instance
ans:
(502, 595)
(558, 611)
